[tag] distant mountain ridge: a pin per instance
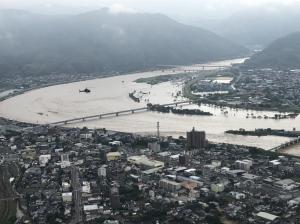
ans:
(283, 53)
(256, 26)
(102, 41)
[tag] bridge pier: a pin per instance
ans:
(286, 145)
(132, 111)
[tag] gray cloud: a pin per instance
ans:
(191, 8)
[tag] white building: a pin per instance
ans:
(144, 161)
(90, 208)
(102, 171)
(67, 197)
(65, 186)
(243, 164)
(112, 156)
(115, 143)
(44, 159)
(266, 216)
(86, 188)
(169, 185)
(216, 163)
(86, 136)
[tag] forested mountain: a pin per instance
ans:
(283, 53)
(101, 41)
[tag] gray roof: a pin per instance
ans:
(285, 182)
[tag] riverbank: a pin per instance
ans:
(63, 102)
(17, 92)
(77, 78)
(265, 132)
(245, 106)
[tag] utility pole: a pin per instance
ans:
(158, 134)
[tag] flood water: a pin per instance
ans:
(6, 93)
(63, 102)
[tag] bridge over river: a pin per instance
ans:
(192, 68)
(286, 145)
(115, 114)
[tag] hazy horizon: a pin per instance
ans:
(188, 11)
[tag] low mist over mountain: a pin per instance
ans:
(283, 53)
(102, 41)
(257, 26)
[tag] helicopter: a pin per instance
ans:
(86, 90)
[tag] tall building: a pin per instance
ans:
(103, 157)
(196, 139)
(65, 157)
(65, 161)
(115, 197)
(102, 171)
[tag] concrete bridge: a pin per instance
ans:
(192, 68)
(286, 144)
(115, 114)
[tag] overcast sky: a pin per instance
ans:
(178, 8)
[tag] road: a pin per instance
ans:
(236, 81)
(7, 196)
(77, 218)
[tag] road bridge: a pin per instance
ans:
(191, 68)
(286, 144)
(115, 114)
